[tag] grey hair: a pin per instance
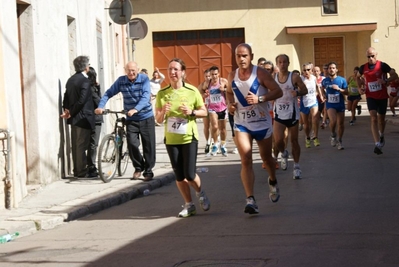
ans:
(80, 63)
(308, 64)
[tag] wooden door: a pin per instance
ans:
(199, 50)
(330, 49)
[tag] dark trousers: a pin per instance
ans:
(231, 122)
(92, 152)
(80, 139)
(183, 159)
(144, 130)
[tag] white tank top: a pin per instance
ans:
(287, 105)
(253, 117)
(310, 99)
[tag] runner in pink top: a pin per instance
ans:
(217, 110)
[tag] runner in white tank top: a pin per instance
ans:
(309, 107)
(286, 107)
(286, 112)
(247, 99)
(253, 118)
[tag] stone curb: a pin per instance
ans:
(71, 210)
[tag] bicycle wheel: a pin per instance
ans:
(108, 158)
(123, 156)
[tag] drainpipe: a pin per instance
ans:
(396, 21)
(7, 180)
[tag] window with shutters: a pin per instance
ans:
(329, 7)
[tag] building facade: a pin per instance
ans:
(40, 38)
(205, 32)
(38, 42)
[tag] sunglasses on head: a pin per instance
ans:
(371, 56)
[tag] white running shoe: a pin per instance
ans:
(204, 201)
(340, 146)
(297, 173)
(284, 160)
(333, 141)
(274, 192)
(188, 210)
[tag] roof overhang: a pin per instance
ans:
(331, 28)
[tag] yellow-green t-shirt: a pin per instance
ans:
(352, 87)
(179, 128)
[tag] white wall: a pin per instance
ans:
(33, 90)
(12, 92)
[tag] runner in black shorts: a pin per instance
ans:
(375, 74)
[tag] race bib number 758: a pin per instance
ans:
(250, 113)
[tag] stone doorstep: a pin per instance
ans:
(24, 228)
(42, 221)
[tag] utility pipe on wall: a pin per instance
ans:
(7, 179)
(396, 20)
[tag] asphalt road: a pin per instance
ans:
(344, 212)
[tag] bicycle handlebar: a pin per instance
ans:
(108, 111)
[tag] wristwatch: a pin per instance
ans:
(261, 99)
(192, 113)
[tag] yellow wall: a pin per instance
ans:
(265, 22)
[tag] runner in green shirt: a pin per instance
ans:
(179, 104)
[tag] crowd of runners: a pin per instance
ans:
(268, 104)
(309, 99)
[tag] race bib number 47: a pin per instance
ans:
(177, 125)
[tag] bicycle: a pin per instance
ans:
(113, 153)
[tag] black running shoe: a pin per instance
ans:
(251, 206)
(377, 150)
(359, 109)
(207, 148)
(382, 141)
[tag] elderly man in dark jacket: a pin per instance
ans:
(79, 110)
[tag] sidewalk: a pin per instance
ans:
(65, 200)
